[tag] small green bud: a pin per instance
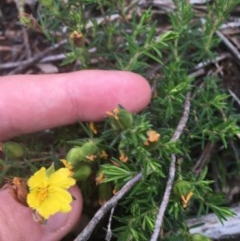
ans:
(78, 154)
(82, 173)
(13, 150)
(89, 148)
(120, 119)
(199, 237)
(75, 155)
(125, 118)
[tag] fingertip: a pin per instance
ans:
(104, 90)
(31, 103)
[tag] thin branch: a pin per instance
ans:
(234, 96)
(230, 46)
(183, 121)
(26, 43)
(85, 234)
(203, 159)
(37, 58)
(212, 61)
(197, 73)
(50, 58)
(230, 25)
(109, 230)
(172, 170)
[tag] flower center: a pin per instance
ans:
(42, 194)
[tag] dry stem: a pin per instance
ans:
(172, 170)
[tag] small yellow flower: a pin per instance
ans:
(100, 177)
(185, 200)
(48, 193)
(114, 113)
(152, 136)
(77, 38)
(123, 158)
(103, 155)
(91, 157)
(92, 128)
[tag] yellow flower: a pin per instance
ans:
(48, 193)
(91, 157)
(100, 177)
(103, 155)
(114, 113)
(92, 128)
(186, 199)
(77, 38)
(153, 136)
(123, 158)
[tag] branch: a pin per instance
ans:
(46, 59)
(85, 234)
(109, 230)
(210, 226)
(37, 58)
(234, 96)
(178, 132)
(229, 45)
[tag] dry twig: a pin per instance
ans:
(109, 231)
(172, 170)
(212, 61)
(35, 59)
(234, 96)
(203, 159)
(229, 45)
(85, 234)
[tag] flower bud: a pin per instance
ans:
(75, 155)
(13, 150)
(82, 173)
(77, 38)
(120, 119)
(78, 154)
(125, 118)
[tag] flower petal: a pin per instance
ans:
(58, 201)
(62, 178)
(39, 179)
(33, 200)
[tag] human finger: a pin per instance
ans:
(30, 103)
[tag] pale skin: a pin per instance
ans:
(33, 103)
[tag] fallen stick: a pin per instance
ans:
(210, 226)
